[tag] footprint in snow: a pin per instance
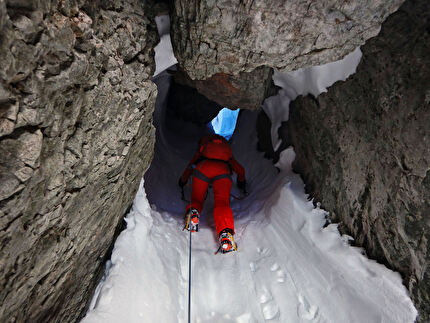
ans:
(265, 297)
(269, 307)
(261, 254)
(263, 251)
(305, 310)
(280, 274)
(270, 310)
(274, 267)
(253, 267)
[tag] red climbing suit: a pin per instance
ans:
(214, 162)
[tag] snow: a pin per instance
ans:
(224, 123)
(289, 266)
(163, 51)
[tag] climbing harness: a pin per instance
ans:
(197, 173)
(239, 198)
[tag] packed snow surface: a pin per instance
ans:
(288, 267)
(163, 51)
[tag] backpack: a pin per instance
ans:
(216, 148)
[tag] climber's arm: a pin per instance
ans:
(238, 169)
(187, 172)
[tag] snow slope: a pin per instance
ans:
(288, 268)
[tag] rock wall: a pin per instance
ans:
(184, 102)
(363, 149)
(247, 90)
(76, 136)
(211, 37)
(228, 48)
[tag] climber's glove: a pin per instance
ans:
(181, 183)
(242, 185)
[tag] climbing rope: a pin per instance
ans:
(189, 260)
(190, 244)
(189, 283)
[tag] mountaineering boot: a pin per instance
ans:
(226, 241)
(192, 220)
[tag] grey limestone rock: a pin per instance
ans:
(2, 13)
(227, 49)
(247, 90)
(184, 102)
(211, 37)
(76, 135)
(363, 149)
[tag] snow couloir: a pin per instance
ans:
(290, 266)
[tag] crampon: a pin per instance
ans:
(192, 220)
(227, 243)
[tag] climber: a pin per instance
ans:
(213, 165)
